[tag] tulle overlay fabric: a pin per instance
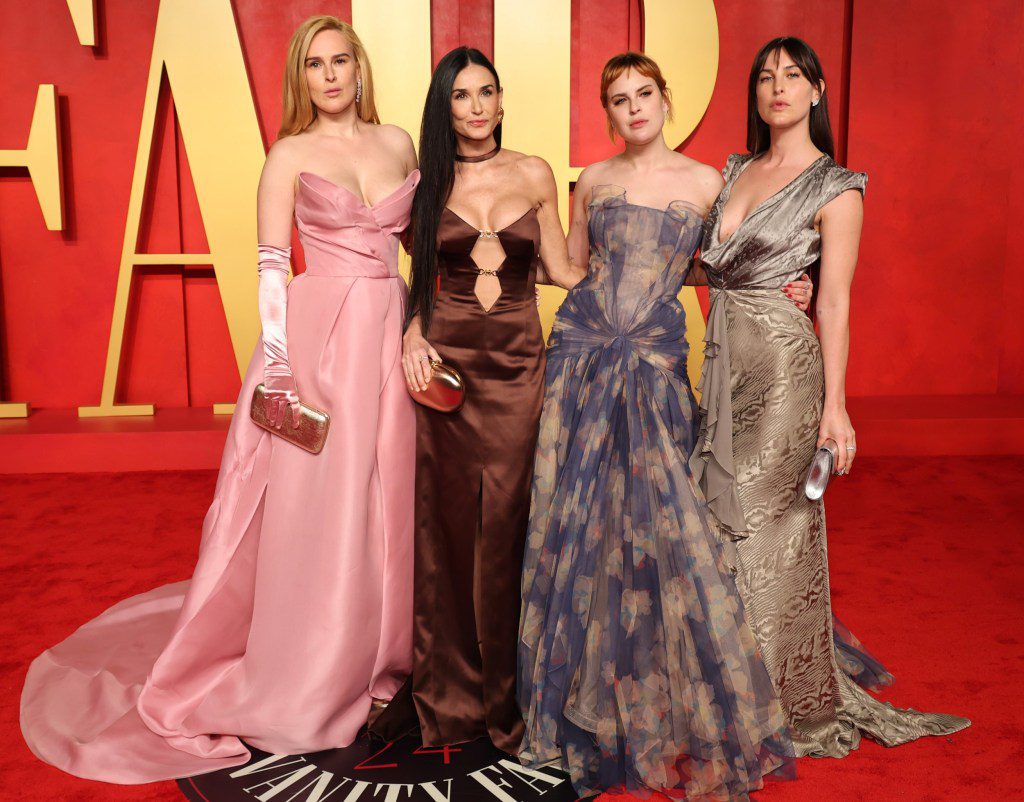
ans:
(637, 668)
(300, 608)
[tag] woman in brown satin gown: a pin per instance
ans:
(485, 227)
(773, 391)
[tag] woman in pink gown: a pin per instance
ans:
(299, 613)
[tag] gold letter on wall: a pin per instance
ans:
(196, 42)
(42, 158)
(83, 15)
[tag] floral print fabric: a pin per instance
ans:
(636, 665)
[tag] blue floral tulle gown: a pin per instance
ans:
(637, 669)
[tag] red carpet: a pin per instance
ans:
(927, 569)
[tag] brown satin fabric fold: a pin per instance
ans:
(473, 475)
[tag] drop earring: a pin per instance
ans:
(814, 102)
(359, 89)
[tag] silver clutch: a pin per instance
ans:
(820, 471)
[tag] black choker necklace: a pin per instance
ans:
(481, 158)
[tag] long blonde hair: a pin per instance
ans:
(297, 110)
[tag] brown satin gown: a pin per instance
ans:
(473, 475)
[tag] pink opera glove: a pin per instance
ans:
(277, 374)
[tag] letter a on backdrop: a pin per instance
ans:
(197, 44)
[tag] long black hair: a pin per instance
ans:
(758, 135)
(437, 176)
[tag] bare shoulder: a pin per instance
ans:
(697, 171)
(704, 178)
(394, 135)
(592, 176)
(710, 182)
(534, 168)
(535, 172)
(848, 204)
(287, 147)
(597, 172)
(285, 157)
(395, 142)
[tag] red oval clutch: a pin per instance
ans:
(446, 391)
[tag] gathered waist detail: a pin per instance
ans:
(662, 347)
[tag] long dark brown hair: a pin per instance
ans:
(437, 176)
(758, 134)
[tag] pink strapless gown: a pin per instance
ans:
(300, 608)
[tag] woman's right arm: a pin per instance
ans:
(578, 239)
(558, 265)
(275, 205)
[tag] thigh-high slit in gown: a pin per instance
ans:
(473, 472)
(299, 611)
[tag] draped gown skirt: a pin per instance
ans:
(637, 667)
(299, 611)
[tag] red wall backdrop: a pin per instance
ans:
(926, 97)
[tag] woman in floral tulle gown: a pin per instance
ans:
(637, 667)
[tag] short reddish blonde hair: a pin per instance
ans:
(646, 66)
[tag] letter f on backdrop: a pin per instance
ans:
(197, 44)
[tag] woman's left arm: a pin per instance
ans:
(559, 268)
(840, 225)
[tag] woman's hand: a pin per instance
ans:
(800, 292)
(835, 425)
(417, 354)
(282, 396)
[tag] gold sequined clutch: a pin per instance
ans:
(311, 433)
(446, 391)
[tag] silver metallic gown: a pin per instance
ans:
(763, 390)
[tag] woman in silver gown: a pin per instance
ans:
(772, 393)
